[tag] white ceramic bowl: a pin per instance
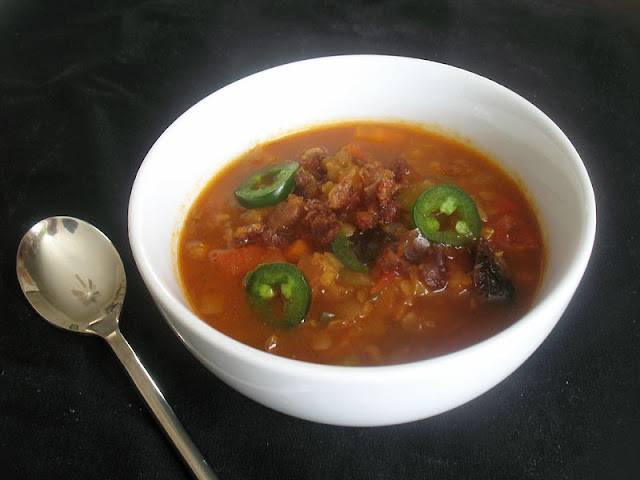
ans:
(268, 104)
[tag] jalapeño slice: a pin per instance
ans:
(343, 248)
(446, 200)
(271, 283)
(268, 187)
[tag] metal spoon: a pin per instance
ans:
(73, 276)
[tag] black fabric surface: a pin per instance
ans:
(85, 89)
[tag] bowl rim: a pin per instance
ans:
(566, 284)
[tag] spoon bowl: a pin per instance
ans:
(72, 275)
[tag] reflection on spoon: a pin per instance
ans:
(73, 276)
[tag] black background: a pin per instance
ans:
(85, 89)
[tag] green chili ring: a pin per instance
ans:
(447, 199)
(268, 187)
(343, 248)
(265, 282)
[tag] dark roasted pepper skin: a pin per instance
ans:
(489, 275)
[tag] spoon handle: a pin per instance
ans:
(159, 406)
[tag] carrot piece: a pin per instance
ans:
(297, 249)
(384, 281)
(238, 262)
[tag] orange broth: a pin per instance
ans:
(355, 319)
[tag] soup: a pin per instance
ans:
(361, 244)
